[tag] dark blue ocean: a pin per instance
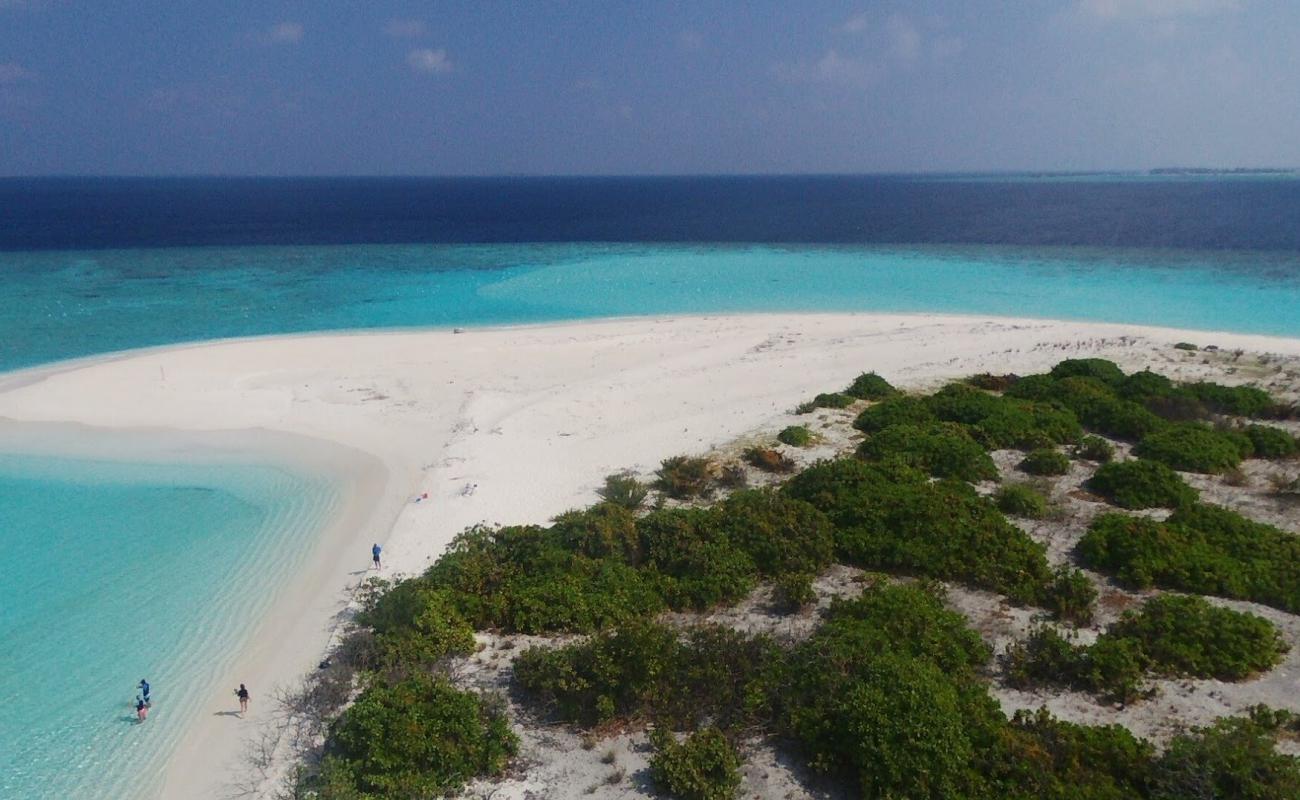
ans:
(98, 265)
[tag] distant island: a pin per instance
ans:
(1224, 171)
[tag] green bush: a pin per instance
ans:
(1025, 424)
(1186, 636)
(605, 530)
(1202, 549)
(1094, 448)
(623, 489)
(418, 737)
(898, 410)
(1094, 402)
(645, 670)
(768, 460)
(870, 386)
(1191, 447)
(992, 383)
(794, 591)
(1141, 484)
(1242, 401)
(1070, 596)
(943, 450)
(685, 477)
(832, 400)
(1269, 442)
(1186, 346)
(1021, 500)
(703, 767)
(1232, 758)
(691, 559)
(1045, 462)
(1044, 657)
(958, 402)
(795, 436)
(1108, 372)
(781, 534)
(1038, 756)
(888, 516)
(415, 626)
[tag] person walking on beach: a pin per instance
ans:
(141, 709)
(374, 552)
(144, 689)
(242, 694)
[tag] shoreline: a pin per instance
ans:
(507, 424)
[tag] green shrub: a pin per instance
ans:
(418, 737)
(795, 436)
(1045, 462)
(703, 767)
(1045, 657)
(1094, 402)
(1116, 667)
(1231, 758)
(1269, 442)
(781, 534)
(733, 476)
(1242, 401)
(794, 591)
(992, 383)
(870, 386)
(832, 400)
(943, 450)
(898, 410)
(1186, 346)
(888, 516)
(1202, 549)
(645, 670)
(1021, 500)
(1191, 447)
(1038, 756)
(958, 402)
(691, 559)
(768, 460)
(1141, 484)
(1094, 448)
(1070, 596)
(685, 477)
(623, 489)
(1024, 424)
(1186, 636)
(1108, 372)
(605, 530)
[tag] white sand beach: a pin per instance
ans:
(502, 425)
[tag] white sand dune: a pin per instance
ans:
(498, 425)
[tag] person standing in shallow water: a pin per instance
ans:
(242, 694)
(141, 709)
(374, 552)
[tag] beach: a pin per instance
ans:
(496, 425)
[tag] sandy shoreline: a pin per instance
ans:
(497, 425)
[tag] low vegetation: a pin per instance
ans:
(795, 436)
(940, 449)
(1200, 548)
(870, 386)
(1194, 447)
(1141, 484)
(1021, 500)
(703, 767)
(685, 477)
(1170, 636)
(1045, 462)
(623, 489)
(1094, 448)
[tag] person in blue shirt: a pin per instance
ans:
(144, 689)
(374, 551)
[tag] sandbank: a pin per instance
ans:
(496, 425)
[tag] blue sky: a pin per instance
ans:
(333, 87)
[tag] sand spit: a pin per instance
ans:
(519, 424)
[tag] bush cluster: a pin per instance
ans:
(623, 489)
(1070, 596)
(1269, 442)
(1141, 484)
(414, 738)
(832, 400)
(768, 459)
(870, 386)
(1170, 636)
(685, 477)
(795, 436)
(1194, 447)
(1200, 548)
(703, 767)
(942, 449)
(1021, 500)
(1045, 462)
(1094, 448)
(887, 515)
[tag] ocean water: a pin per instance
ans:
(123, 571)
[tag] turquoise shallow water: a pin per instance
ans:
(64, 304)
(121, 571)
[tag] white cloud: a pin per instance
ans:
(831, 68)
(284, 33)
(904, 39)
(431, 61)
(404, 28)
(690, 40)
(855, 24)
(13, 73)
(1155, 9)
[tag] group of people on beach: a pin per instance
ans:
(143, 703)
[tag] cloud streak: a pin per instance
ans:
(1155, 9)
(426, 60)
(285, 33)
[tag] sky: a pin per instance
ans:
(335, 87)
